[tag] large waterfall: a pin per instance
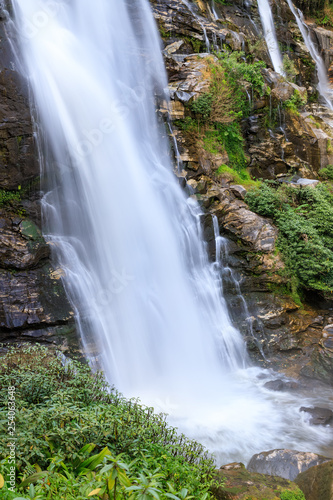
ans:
(148, 302)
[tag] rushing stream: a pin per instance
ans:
(148, 303)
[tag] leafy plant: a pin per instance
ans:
(326, 173)
(304, 217)
(82, 439)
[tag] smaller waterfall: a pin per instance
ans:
(323, 85)
(214, 11)
(221, 262)
(190, 8)
(270, 35)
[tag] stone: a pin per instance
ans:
(173, 47)
(281, 385)
(240, 484)
(238, 191)
(252, 229)
(274, 385)
(319, 416)
(307, 182)
(317, 482)
(32, 298)
(284, 463)
(22, 245)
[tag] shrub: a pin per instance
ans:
(326, 173)
(304, 217)
(64, 413)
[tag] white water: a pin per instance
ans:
(267, 22)
(148, 303)
(323, 84)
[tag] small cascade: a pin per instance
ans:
(214, 11)
(221, 262)
(267, 21)
(191, 9)
(323, 83)
(175, 146)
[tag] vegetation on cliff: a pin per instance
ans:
(304, 217)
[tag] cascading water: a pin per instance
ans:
(148, 302)
(323, 84)
(267, 22)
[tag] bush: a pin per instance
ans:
(64, 413)
(304, 217)
(326, 173)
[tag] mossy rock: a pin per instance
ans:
(317, 482)
(240, 484)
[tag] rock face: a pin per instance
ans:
(240, 484)
(284, 463)
(33, 303)
(317, 482)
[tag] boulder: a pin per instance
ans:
(237, 483)
(319, 416)
(317, 482)
(284, 463)
(251, 229)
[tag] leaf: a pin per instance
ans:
(2, 481)
(111, 483)
(34, 478)
(94, 492)
(92, 462)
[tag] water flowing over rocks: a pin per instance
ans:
(284, 463)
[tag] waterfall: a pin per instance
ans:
(267, 22)
(148, 302)
(323, 84)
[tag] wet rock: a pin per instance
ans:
(275, 385)
(281, 385)
(321, 364)
(317, 482)
(18, 159)
(32, 298)
(22, 245)
(319, 416)
(284, 463)
(240, 484)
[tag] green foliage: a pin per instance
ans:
(9, 198)
(203, 106)
(292, 495)
(242, 177)
(295, 102)
(304, 217)
(289, 68)
(78, 435)
(219, 111)
(326, 173)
